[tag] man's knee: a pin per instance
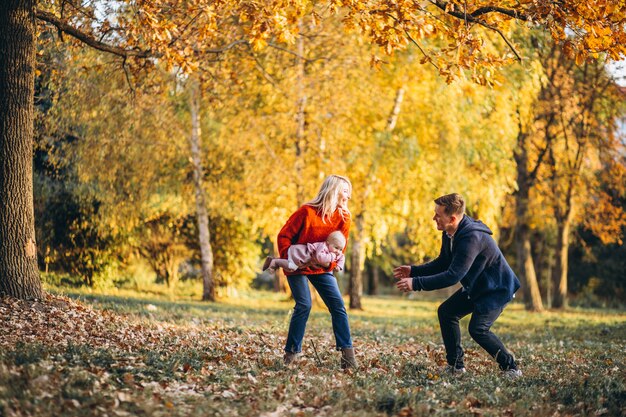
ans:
(477, 331)
(444, 314)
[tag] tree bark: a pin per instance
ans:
(549, 275)
(19, 275)
(526, 268)
(564, 216)
(559, 299)
(206, 253)
(532, 295)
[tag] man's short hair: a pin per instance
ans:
(453, 204)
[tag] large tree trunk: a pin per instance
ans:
(208, 282)
(549, 275)
(526, 268)
(19, 276)
(559, 299)
(532, 295)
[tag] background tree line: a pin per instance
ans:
(209, 123)
(539, 159)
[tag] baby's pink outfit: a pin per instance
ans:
(316, 253)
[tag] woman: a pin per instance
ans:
(313, 222)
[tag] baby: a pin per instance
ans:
(318, 253)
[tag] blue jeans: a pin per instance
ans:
(327, 288)
(451, 311)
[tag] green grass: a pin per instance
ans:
(184, 357)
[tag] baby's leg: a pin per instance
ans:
(280, 263)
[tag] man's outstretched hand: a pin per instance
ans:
(402, 274)
(405, 284)
(403, 271)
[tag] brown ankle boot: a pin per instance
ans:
(348, 360)
(289, 358)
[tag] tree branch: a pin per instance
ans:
(504, 38)
(127, 73)
(225, 48)
(280, 48)
(408, 35)
(489, 9)
(473, 19)
(88, 39)
(542, 153)
(421, 50)
(185, 28)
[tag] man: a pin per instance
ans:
(469, 254)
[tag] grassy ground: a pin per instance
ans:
(132, 355)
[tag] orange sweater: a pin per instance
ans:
(306, 226)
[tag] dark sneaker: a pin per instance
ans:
(512, 373)
(454, 370)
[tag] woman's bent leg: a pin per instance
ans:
(300, 290)
(326, 286)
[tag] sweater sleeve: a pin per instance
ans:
(466, 251)
(288, 235)
(437, 265)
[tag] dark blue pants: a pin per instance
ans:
(458, 306)
(327, 288)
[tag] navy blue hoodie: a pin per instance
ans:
(476, 261)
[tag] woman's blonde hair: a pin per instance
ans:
(327, 199)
